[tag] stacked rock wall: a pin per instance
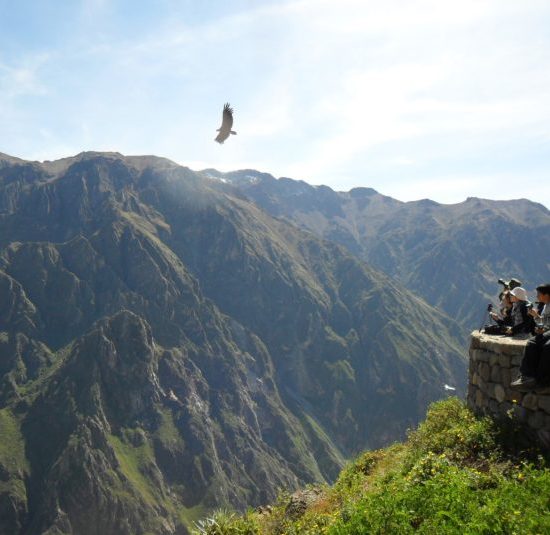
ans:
(494, 363)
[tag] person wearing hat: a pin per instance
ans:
(522, 321)
(535, 365)
(508, 285)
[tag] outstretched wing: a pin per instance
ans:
(227, 121)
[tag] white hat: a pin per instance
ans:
(520, 293)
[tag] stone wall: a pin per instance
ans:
(494, 363)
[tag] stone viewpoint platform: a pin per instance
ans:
(494, 363)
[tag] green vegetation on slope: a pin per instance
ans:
(453, 475)
(133, 461)
(12, 449)
(136, 461)
(13, 463)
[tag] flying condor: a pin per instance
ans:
(227, 122)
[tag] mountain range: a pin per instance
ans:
(168, 345)
(450, 255)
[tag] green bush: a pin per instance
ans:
(223, 522)
(451, 428)
(353, 475)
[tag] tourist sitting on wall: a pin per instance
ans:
(535, 365)
(504, 316)
(542, 312)
(522, 321)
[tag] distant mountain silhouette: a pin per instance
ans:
(167, 346)
(451, 255)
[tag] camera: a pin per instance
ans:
(511, 284)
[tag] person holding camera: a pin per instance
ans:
(503, 318)
(535, 365)
(522, 320)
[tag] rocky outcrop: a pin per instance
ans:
(494, 363)
(126, 433)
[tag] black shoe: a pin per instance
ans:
(524, 381)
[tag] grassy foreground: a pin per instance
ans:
(454, 474)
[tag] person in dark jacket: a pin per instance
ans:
(522, 321)
(504, 317)
(535, 365)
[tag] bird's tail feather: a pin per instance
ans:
(233, 132)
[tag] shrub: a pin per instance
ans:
(223, 522)
(353, 475)
(451, 428)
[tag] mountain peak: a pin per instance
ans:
(6, 158)
(362, 192)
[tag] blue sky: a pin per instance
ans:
(417, 99)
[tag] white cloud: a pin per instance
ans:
(490, 86)
(23, 78)
(92, 8)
